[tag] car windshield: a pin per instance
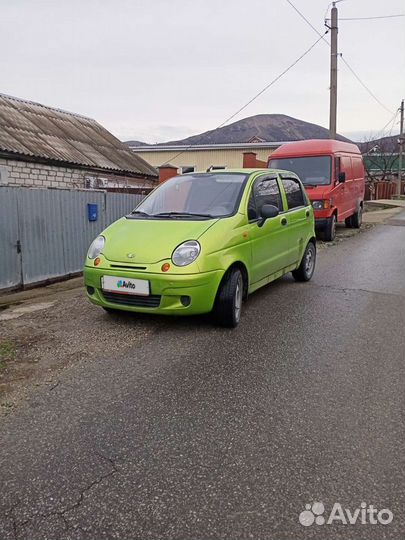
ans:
(200, 196)
(313, 170)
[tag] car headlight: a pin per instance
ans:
(317, 205)
(96, 247)
(186, 253)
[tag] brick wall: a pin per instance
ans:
(30, 174)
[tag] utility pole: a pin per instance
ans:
(333, 72)
(401, 148)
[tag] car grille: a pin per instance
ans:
(151, 301)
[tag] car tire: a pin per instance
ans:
(228, 304)
(307, 266)
(357, 218)
(348, 222)
(329, 233)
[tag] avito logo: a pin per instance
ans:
(125, 284)
(314, 513)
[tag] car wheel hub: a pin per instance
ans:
(238, 299)
(309, 261)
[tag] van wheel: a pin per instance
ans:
(357, 218)
(348, 222)
(306, 269)
(329, 232)
(228, 305)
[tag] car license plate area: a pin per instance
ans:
(123, 285)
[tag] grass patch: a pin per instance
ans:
(7, 352)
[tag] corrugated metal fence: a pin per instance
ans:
(45, 233)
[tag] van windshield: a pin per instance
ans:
(312, 170)
(194, 196)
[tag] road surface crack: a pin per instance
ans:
(62, 513)
(350, 290)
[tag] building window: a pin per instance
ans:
(217, 168)
(187, 169)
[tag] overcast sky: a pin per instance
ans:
(156, 70)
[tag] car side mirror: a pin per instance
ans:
(268, 211)
(342, 177)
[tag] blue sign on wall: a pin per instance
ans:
(92, 211)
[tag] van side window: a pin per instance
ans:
(337, 167)
(265, 191)
(294, 193)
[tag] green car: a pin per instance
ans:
(202, 242)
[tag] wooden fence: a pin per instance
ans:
(382, 190)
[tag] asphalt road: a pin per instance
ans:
(197, 432)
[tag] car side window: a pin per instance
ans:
(294, 193)
(265, 191)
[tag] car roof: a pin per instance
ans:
(237, 170)
(312, 147)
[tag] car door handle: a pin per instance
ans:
(307, 213)
(284, 221)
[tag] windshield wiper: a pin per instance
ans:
(140, 213)
(182, 214)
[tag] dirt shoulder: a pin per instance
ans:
(40, 337)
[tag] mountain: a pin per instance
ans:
(384, 144)
(259, 128)
(262, 127)
(136, 143)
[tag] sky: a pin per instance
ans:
(158, 70)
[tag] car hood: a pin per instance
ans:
(318, 192)
(149, 240)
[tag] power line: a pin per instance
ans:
(392, 122)
(364, 85)
(371, 18)
(343, 59)
(308, 22)
(257, 95)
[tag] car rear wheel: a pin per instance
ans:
(306, 269)
(329, 233)
(357, 218)
(228, 305)
(348, 222)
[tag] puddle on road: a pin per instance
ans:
(10, 313)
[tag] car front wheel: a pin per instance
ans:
(228, 305)
(306, 269)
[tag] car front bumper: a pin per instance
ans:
(167, 291)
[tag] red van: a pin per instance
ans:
(333, 175)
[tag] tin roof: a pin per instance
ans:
(36, 131)
(161, 147)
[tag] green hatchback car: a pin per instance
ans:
(202, 242)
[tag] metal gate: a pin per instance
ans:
(10, 247)
(45, 233)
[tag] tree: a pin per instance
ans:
(380, 158)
